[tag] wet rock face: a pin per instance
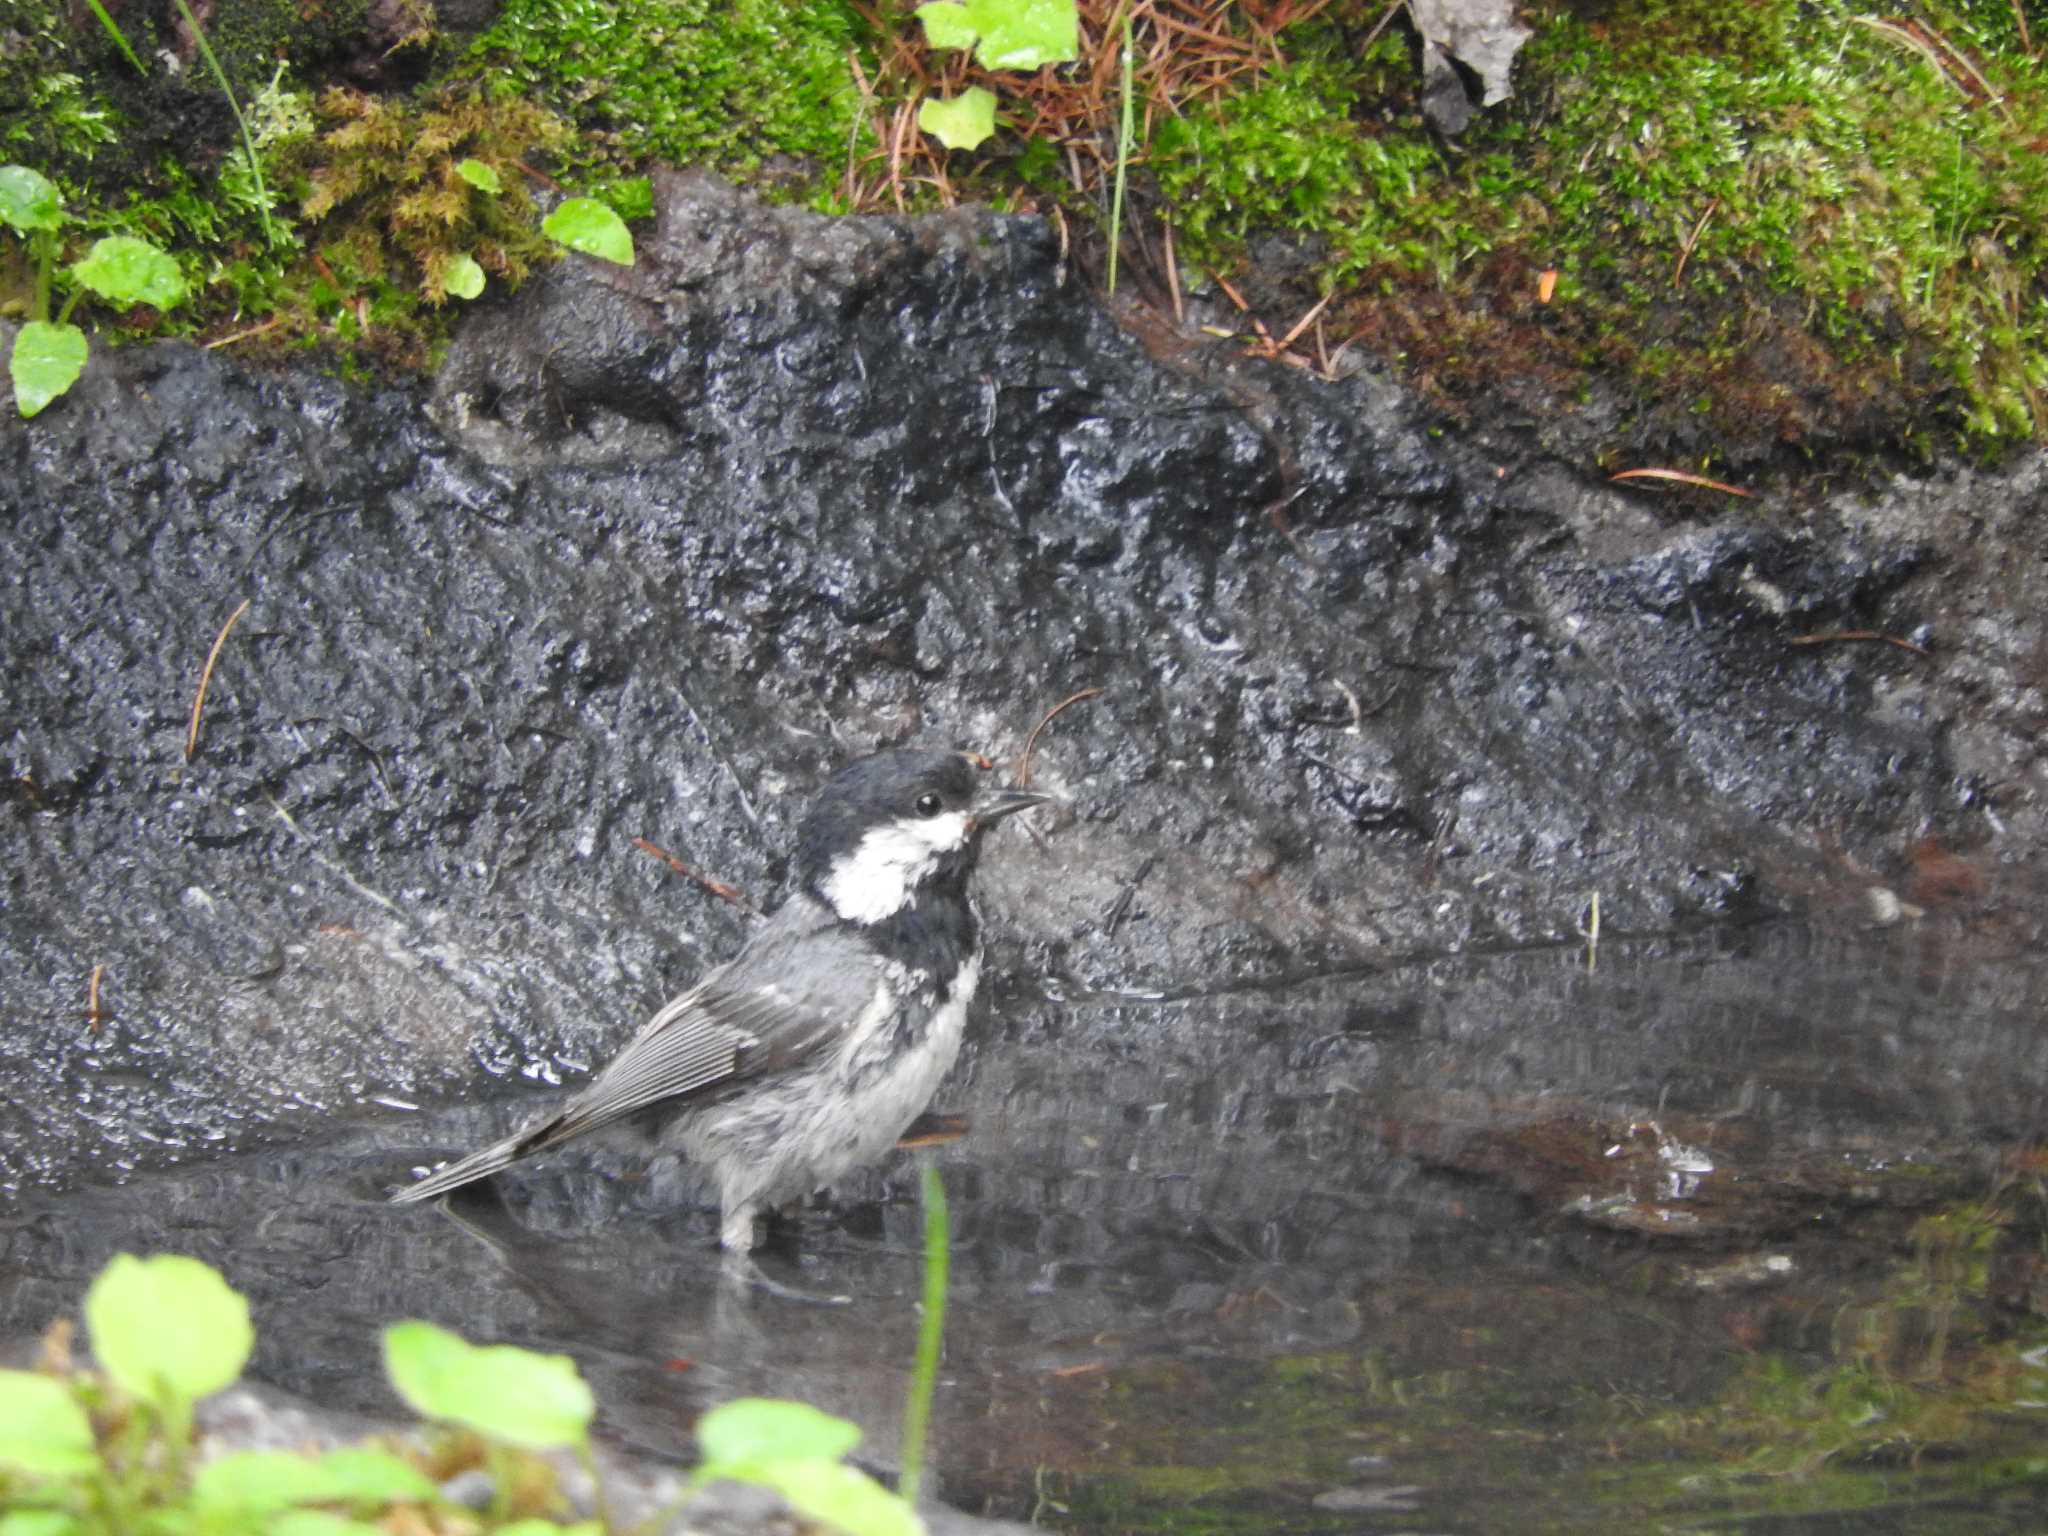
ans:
(666, 545)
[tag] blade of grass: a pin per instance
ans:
(924, 1377)
(248, 141)
(114, 31)
(1123, 159)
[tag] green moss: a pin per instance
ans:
(1815, 158)
(55, 114)
(724, 83)
(389, 213)
(1834, 218)
(1292, 155)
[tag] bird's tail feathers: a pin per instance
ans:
(476, 1166)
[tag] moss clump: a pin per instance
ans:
(1770, 215)
(1293, 155)
(394, 209)
(725, 83)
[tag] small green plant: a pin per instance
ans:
(427, 202)
(48, 354)
(114, 32)
(1003, 34)
(796, 1450)
(253, 165)
(1124, 138)
(111, 1454)
(931, 1332)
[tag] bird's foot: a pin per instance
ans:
(741, 1272)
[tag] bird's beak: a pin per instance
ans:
(995, 805)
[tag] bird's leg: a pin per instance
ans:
(738, 1272)
(739, 1233)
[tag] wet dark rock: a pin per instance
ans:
(664, 545)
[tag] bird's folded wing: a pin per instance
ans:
(704, 1039)
(708, 1037)
(800, 980)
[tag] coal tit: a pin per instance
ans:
(808, 1054)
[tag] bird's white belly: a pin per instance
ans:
(815, 1127)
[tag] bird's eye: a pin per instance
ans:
(928, 804)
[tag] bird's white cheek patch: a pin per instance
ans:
(876, 879)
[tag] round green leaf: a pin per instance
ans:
(1023, 34)
(530, 1400)
(464, 278)
(584, 224)
(365, 1476)
(772, 1429)
(479, 175)
(124, 270)
(842, 1497)
(42, 1428)
(962, 123)
(947, 25)
(46, 361)
(37, 1522)
(318, 1522)
(28, 201)
(167, 1324)
(261, 1482)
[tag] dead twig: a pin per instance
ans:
(1432, 861)
(206, 678)
(726, 893)
(1276, 514)
(1031, 741)
(243, 335)
(1380, 26)
(94, 1013)
(1304, 323)
(1948, 61)
(1846, 635)
(1691, 240)
(1180, 314)
(1682, 477)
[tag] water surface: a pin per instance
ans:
(1739, 1230)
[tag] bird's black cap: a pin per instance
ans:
(905, 785)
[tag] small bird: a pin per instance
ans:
(807, 1054)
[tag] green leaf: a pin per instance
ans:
(479, 175)
(47, 361)
(584, 224)
(1023, 34)
(366, 1476)
(464, 278)
(841, 1496)
(42, 1429)
(28, 200)
(545, 1528)
(124, 270)
(965, 122)
(947, 25)
(529, 1400)
(318, 1522)
(167, 1323)
(37, 1522)
(262, 1482)
(772, 1429)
